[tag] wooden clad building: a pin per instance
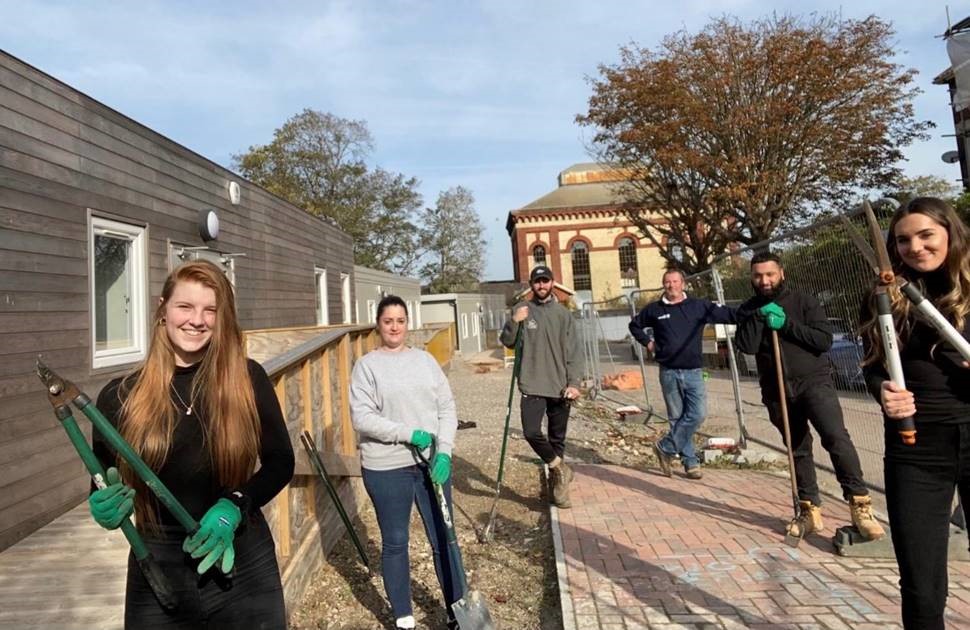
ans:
(95, 210)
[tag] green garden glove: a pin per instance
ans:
(440, 468)
(214, 537)
(421, 439)
(113, 504)
(774, 315)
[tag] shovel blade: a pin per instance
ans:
(794, 533)
(471, 613)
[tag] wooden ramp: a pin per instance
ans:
(69, 575)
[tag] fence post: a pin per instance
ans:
(732, 362)
(640, 359)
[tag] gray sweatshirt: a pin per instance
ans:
(551, 354)
(391, 395)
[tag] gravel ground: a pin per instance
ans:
(516, 572)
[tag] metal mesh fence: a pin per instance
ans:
(819, 260)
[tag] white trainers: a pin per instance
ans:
(405, 623)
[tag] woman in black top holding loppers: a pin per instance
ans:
(200, 414)
(929, 247)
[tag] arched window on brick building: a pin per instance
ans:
(538, 255)
(629, 274)
(580, 259)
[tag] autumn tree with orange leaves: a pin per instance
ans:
(732, 132)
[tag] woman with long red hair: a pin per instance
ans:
(201, 415)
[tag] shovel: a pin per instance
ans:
(486, 535)
(470, 610)
(795, 531)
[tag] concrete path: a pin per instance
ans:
(640, 550)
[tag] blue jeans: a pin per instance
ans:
(393, 493)
(686, 400)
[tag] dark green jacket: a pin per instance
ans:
(551, 354)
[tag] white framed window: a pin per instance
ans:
(371, 312)
(118, 278)
(464, 325)
(345, 297)
(476, 322)
(410, 314)
(323, 307)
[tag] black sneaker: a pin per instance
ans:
(663, 460)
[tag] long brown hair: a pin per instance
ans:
(955, 305)
(222, 384)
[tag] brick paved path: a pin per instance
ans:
(639, 550)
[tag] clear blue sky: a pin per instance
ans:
(478, 94)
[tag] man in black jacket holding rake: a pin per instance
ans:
(804, 336)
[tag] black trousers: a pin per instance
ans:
(252, 599)
(557, 410)
(818, 405)
(920, 481)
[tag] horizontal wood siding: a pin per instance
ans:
(63, 155)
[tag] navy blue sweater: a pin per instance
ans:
(677, 329)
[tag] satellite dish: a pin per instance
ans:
(951, 157)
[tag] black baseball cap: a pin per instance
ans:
(540, 271)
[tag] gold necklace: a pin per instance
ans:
(188, 408)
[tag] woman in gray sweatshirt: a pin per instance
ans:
(400, 401)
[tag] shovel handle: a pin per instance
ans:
(447, 518)
(317, 463)
(516, 366)
(783, 403)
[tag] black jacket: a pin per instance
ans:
(804, 340)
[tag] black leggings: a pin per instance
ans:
(253, 598)
(920, 481)
(557, 410)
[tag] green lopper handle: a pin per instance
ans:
(150, 569)
(137, 463)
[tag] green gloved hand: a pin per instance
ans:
(441, 468)
(774, 315)
(214, 537)
(113, 504)
(421, 439)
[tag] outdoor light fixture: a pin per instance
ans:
(208, 224)
(235, 193)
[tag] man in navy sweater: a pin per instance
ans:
(677, 322)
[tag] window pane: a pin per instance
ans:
(581, 277)
(539, 255)
(320, 280)
(629, 277)
(112, 293)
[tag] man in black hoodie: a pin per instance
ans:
(804, 336)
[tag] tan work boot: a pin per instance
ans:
(559, 478)
(808, 521)
(860, 509)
